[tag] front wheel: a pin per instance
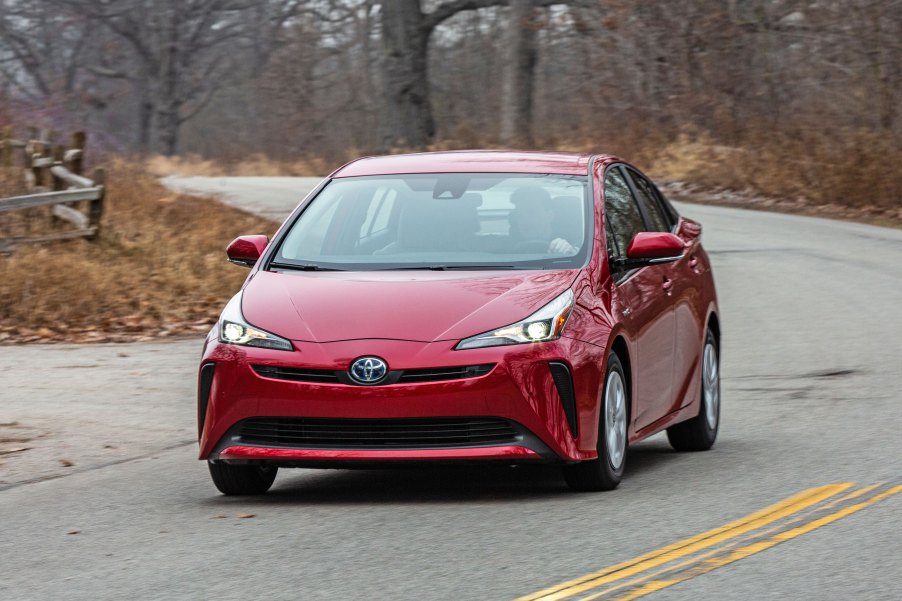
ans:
(606, 472)
(700, 432)
(240, 480)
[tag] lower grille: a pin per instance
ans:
(302, 432)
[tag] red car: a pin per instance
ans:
(464, 306)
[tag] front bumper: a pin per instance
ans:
(519, 389)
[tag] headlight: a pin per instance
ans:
(545, 324)
(233, 329)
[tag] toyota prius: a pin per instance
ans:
(478, 306)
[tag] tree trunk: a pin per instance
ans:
(520, 61)
(145, 122)
(169, 101)
(408, 115)
(168, 125)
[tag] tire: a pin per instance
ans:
(606, 472)
(700, 432)
(242, 480)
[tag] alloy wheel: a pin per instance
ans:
(615, 419)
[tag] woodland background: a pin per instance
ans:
(787, 97)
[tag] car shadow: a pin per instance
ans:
(440, 483)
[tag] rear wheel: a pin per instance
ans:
(700, 432)
(606, 472)
(242, 479)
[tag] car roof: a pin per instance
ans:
(469, 161)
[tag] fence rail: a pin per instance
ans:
(53, 177)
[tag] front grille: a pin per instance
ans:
(296, 374)
(436, 374)
(405, 376)
(444, 432)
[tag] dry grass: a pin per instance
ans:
(158, 269)
(853, 169)
(846, 174)
(252, 165)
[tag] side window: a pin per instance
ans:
(622, 217)
(659, 221)
(671, 212)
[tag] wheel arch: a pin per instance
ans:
(714, 326)
(620, 347)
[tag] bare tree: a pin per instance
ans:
(41, 50)
(182, 52)
(520, 60)
(406, 30)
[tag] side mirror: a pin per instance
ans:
(246, 250)
(651, 248)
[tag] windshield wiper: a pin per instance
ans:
(303, 267)
(448, 267)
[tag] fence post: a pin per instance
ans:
(59, 152)
(76, 165)
(95, 210)
(35, 149)
(6, 147)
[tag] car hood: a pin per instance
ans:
(419, 306)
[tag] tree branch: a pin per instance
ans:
(448, 9)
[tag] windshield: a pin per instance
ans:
(442, 221)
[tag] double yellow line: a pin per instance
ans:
(664, 567)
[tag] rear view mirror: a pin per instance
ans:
(651, 248)
(246, 250)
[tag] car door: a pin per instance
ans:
(641, 296)
(683, 293)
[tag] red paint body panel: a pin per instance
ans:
(247, 248)
(519, 388)
(307, 305)
(660, 312)
(506, 452)
(654, 245)
(469, 161)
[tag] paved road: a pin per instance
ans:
(273, 200)
(812, 366)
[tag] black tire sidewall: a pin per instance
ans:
(711, 433)
(613, 365)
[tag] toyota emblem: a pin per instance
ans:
(368, 370)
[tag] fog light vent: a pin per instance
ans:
(204, 383)
(563, 381)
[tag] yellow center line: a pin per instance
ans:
(757, 547)
(680, 549)
(730, 544)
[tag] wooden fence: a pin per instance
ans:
(54, 177)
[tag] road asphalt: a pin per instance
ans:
(812, 368)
